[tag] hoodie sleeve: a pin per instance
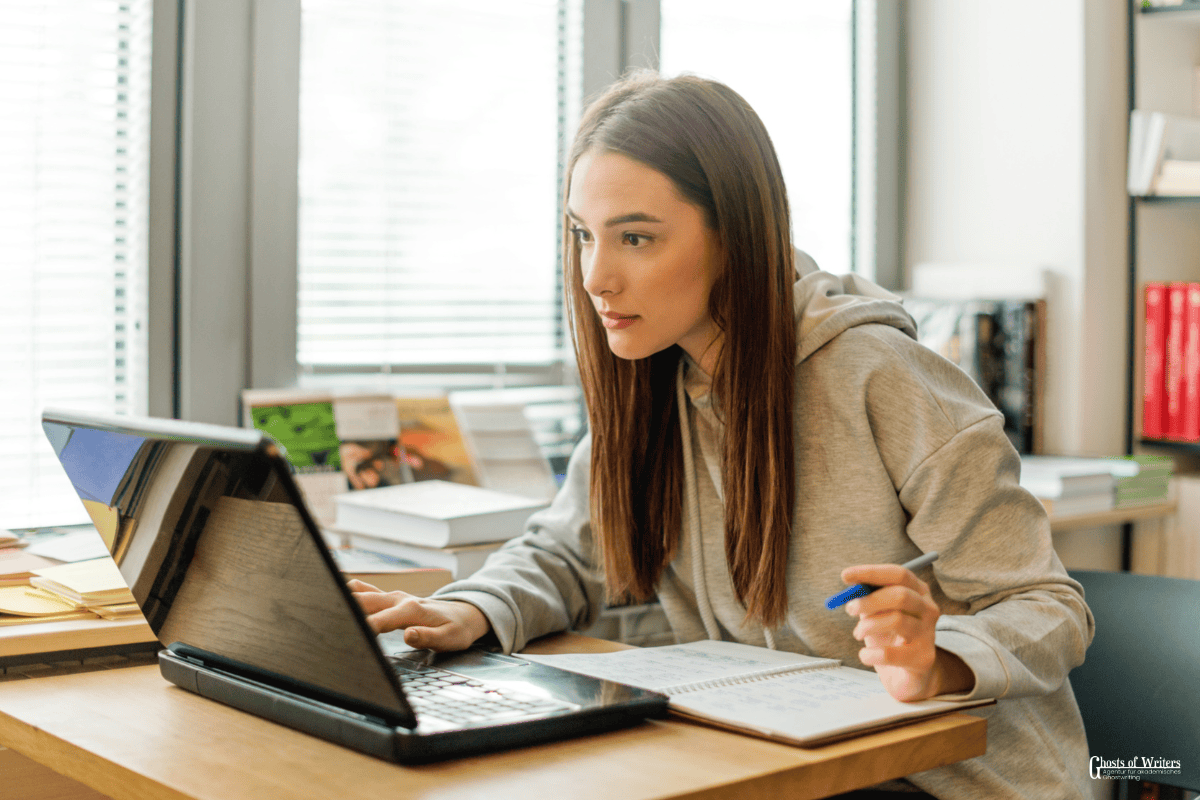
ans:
(548, 579)
(1010, 612)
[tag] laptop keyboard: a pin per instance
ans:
(443, 700)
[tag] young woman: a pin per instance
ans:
(760, 434)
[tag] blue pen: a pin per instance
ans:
(864, 589)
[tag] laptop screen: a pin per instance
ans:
(207, 528)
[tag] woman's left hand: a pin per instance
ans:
(897, 624)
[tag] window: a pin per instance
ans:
(74, 82)
(792, 61)
(430, 141)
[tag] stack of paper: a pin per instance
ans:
(1164, 154)
(1077, 485)
(95, 586)
(1068, 485)
(17, 566)
(22, 604)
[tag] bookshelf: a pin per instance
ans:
(1118, 516)
(1164, 232)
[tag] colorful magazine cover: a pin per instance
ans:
(305, 430)
(432, 443)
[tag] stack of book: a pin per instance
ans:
(1078, 485)
(433, 523)
(1149, 485)
(390, 573)
(80, 590)
(1164, 155)
(1068, 486)
(1171, 376)
(1000, 344)
(339, 442)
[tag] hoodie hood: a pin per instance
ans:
(827, 304)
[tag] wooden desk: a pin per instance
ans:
(129, 734)
(72, 639)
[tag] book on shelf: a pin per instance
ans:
(502, 443)
(1000, 344)
(1190, 412)
(347, 441)
(435, 513)
(433, 441)
(1095, 503)
(1178, 179)
(1151, 485)
(1022, 325)
(1171, 372)
(1052, 478)
(1154, 403)
(461, 561)
(390, 573)
(303, 424)
(1164, 154)
(782, 696)
(1132, 480)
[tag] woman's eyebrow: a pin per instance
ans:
(635, 216)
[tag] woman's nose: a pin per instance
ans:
(599, 275)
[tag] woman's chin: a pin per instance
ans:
(626, 350)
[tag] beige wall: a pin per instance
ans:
(1016, 161)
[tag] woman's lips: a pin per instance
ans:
(616, 322)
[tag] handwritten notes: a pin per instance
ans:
(785, 696)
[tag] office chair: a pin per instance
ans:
(1139, 687)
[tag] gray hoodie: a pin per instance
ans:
(897, 453)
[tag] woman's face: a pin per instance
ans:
(648, 259)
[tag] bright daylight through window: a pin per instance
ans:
(75, 85)
(430, 142)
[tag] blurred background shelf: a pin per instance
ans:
(1117, 516)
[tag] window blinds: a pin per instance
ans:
(429, 152)
(74, 84)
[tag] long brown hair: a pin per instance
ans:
(710, 143)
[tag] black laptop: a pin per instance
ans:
(233, 575)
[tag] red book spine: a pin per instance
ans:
(1191, 365)
(1176, 330)
(1154, 406)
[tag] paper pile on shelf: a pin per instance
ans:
(1164, 155)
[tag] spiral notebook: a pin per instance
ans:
(782, 696)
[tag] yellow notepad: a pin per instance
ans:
(119, 611)
(30, 601)
(7, 620)
(95, 581)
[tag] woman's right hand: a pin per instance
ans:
(428, 623)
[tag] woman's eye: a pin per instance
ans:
(635, 239)
(581, 235)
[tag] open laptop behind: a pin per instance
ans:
(230, 570)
